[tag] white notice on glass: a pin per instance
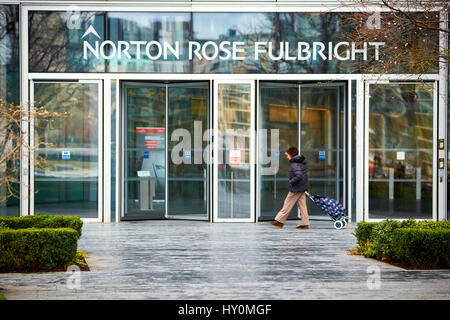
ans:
(235, 157)
(143, 174)
(401, 155)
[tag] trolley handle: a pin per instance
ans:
(309, 196)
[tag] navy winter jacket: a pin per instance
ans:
(298, 174)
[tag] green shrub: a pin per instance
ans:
(364, 232)
(377, 240)
(382, 238)
(3, 226)
(37, 249)
(43, 221)
(80, 257)
(426, 248)
(433, 224)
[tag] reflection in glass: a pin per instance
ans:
(113, 149)
(234, 106)
(400, 151)
(9, 90)
(238, 27)
(353, 151)
(68, 182)
(322, 130)
(56, 41)
(278, 110)
(150, 26)
(322, 139)
(188, 107)
(145, 176)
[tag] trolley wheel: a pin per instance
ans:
(344, 222)
(338, 224)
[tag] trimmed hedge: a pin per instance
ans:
(364, 232)
(416, 243)
(42, 221)
(37, 249)
(428, 248)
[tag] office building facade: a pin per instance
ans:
(183, 110)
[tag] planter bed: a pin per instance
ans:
(409, 244)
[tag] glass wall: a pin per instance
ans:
(400, 151)
(9, 93)
(145, 27)
(66, 170)
(279, 110)
(233, 159)
(310, 116)
(55, 41)
(322, 139)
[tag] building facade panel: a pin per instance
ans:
(186, 113)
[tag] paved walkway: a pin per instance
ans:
(199, 260)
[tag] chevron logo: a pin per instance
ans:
(89, 31)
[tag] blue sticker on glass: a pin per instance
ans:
(321, 155)
(65, 155)
(187, 154)
(276, 154)
(145, 154)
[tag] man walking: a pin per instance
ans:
(298, 184)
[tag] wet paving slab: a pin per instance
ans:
(200, 260)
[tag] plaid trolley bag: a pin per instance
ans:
(332, 208)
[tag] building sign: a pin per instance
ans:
(227, 50)
(198, 43)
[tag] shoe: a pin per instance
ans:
(302, 227)
(277, 224)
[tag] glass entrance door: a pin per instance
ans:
(145, 150)
(64, 179)
(400, 156)
(310, 116)
(233, 156)
(164, 169)
(188, 123)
